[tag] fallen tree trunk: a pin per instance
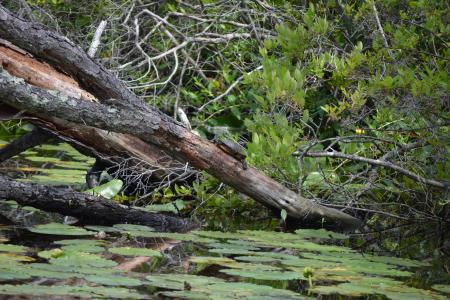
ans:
(124, 112)
(86, 208)
(114, 149)
(173, 138)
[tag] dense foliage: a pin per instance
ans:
(293, 81)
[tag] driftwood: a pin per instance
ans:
(86, 208)
(122, 111)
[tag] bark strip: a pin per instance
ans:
(86, 208)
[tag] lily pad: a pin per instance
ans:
(13, 248)
(82, 259)
(133, 227)
(235, 290)
(211, 260)
(74, 270)
(177, 281)
(64, 290)
(13, 274)
(83, 248)
(231, 251)
(389, 289)
(113, 280)
(130, 251)
(320, 234)
(59, 229)
(258, 259)
(245, 246)
(444, 288)
(53, 253)
(11, 258)
(263, 274)
(79, 242)
(102, 228)
(188, 237)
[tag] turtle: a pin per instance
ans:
(232, 148)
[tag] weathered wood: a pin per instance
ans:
(63, 54)
(86, 208)
(114, 147)
(153, 127)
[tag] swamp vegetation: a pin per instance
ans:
(337, 108)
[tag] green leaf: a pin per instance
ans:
(107, 190)
(130, 251)
(75, 291)
(133, 227)
(113, 280)
(59, 229)
(444, 288)
(263, 274)
(13, 248)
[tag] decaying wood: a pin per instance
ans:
(86, 208)
(122, 111)
(91, 141)
(21, 64)
(63, 54)
(174, 139)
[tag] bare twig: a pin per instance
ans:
(380, 28)
(229, 89)
(96, 40)
(378, 162)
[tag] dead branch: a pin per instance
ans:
(378, 162)
(86, 208)
(96, 40)
(29, 140)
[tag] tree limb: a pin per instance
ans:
(378, 162)
(86, 208)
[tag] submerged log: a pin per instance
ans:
(86, 208)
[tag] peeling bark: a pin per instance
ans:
(63, 54)
(108, 146)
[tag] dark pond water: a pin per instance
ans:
(41, 255)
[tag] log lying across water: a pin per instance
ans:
(86, 208)
(114, 149)
(173, 138)
(122, 111)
